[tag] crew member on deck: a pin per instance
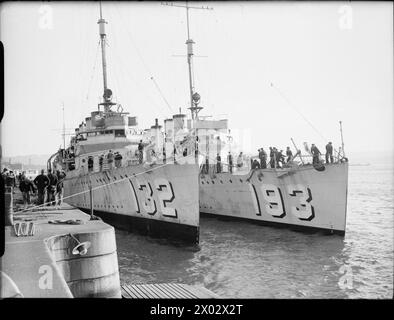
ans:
(263, 158)
(230, 162)
(272, 157)
(289, 154)
(255, 164)
(315, 153)
(140, 152)
(218, 163)
(329, 155)
(240, 160)
(110, 158)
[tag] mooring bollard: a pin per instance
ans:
(8, 202)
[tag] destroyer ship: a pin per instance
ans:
(299, 194)
(132, 178)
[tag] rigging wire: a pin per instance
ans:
(150, 74)
(290, 104)
(132, 81)
(93, 71)
(300, 113)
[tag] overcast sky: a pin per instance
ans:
(328, 62)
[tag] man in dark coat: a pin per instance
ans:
(41, 182)
(289, 154)
(26, 186)
(315, 153)
(140, 152)
(263, 158)
(51, 188)
(329, 155)
(10, 180)
(230, 162)
(255, 164)
(59, 187)
(218, 163)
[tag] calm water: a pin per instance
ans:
(242, 260)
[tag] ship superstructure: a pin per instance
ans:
(138, 178)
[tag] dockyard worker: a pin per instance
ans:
(240, 160)
(230, 162)
(51, 188)
(315, 153)
(289, 154)
(41, 182)
(10, 180)
(26, 186)
(218, 163)
(59, 187)
(329, 155)
(4, 174)
(140, 151)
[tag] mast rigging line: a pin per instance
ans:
(93, 71)
(147, 69)
(290, 104)
(306, 120)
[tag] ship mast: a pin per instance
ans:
(194, 96)
(107, 95)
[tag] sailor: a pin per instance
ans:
(218, 163)
(59, 187)
(240, 160)
(140, 151)
(329, 155)
(26, 186)
(280, 158)
(230, 162)
(41, 182)
(101, 158)
(255, 164)
(118, 160)
(315, 153)
(263, 158)
(289, 154)
(90, 164)
(110, 158)
(272, 157)
(51, 188)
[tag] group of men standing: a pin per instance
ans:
(277, 158)
(316, 153)
(49, 186)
